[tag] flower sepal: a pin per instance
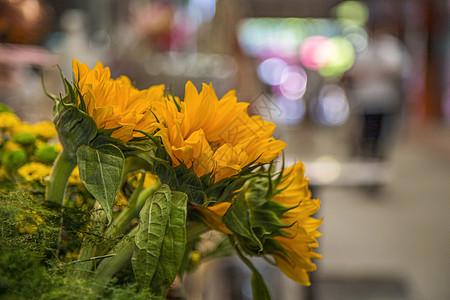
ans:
(255, 219)
(75, 128)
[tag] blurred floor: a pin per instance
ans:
(387, 243)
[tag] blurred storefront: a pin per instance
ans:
(236, 44)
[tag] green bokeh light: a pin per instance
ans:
(353, 12)
(342, 57)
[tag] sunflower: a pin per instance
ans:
(300, 238)
(115, 103)
(214, 135)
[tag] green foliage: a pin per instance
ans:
(101, 173)
(150, 237)
(91, 257)
(29, 268)
(238, 220)
(21, 273)
(255, 219)
(173, 245)
(22, 252)
(192, 186)
(259, 288)
(160, 240)
(75, 129)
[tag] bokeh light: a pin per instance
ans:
(356, 35)
(325, 169)
(341, 57)
(252, 35)
(315, 52)
(331, 107)
(271, 70)
(293, 82)
(354, 12)
(202, 10)
(292, 111)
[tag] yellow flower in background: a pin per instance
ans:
(301, 237)
(121, 201)
(8, 120)
(58, 147)
(45, 130)
(74, 178)
(114, 103)
(11, 146)
(34, 171)
(3, 174)
(21, 128)
(215, 135)
(149, 180)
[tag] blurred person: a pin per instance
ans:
(376, 88)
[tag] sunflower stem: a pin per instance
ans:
(59, 176)
(135, 205)
(56, 186)
(110, 266)
(242, 256)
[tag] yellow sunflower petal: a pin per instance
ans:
(212, 216)
(115, 103)
(300, 238)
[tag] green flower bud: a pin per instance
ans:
(46, 154)
(25, 138)
(12, 160)
(75, 128)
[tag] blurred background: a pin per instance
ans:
(358, 89)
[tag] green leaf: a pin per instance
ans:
(238, 219)
(160, 241)
(191, 185)
(225, 189)
(101, 173)
(173, 245)
(267, 221)
(259, 288)
(153, 220)
(165, 172)
(254, 218)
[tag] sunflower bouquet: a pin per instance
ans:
(156, 173)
